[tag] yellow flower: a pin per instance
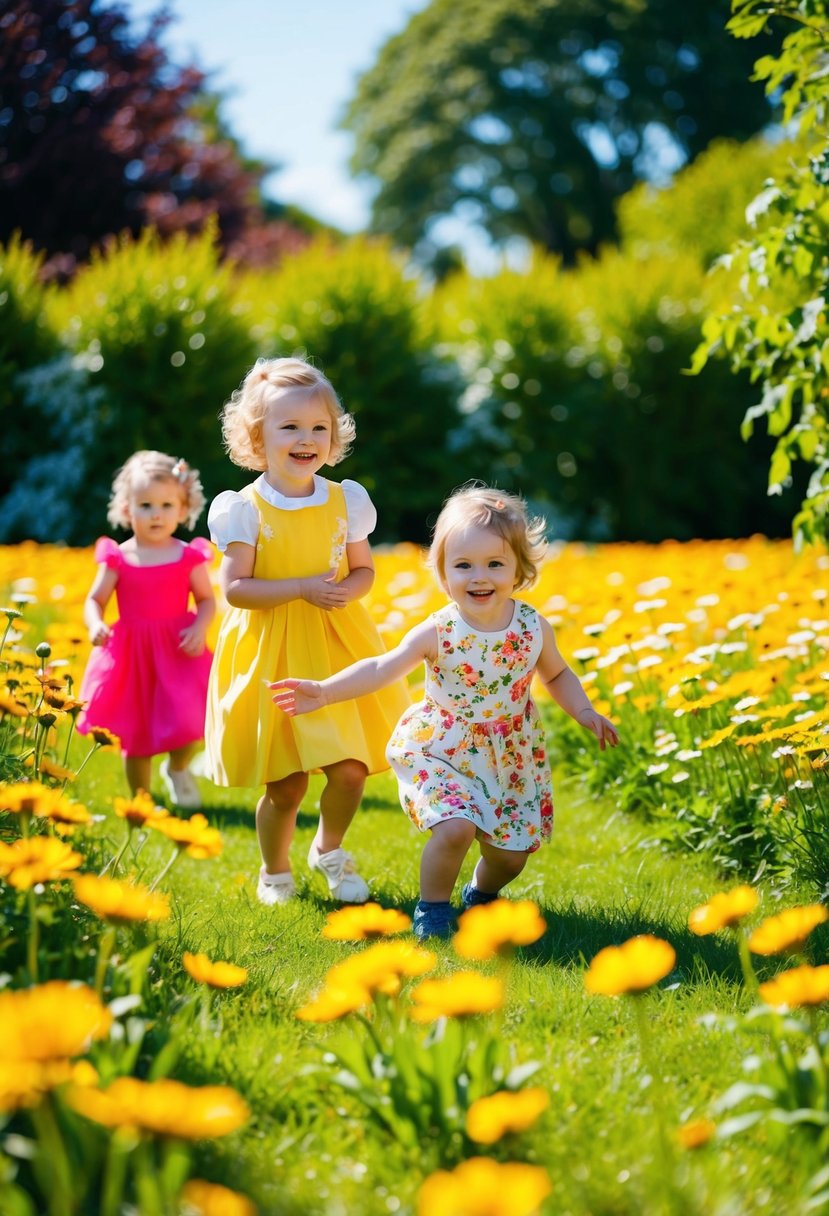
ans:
(497, 927)
(120, 902)
(724, 911)
(139, 809)
(788, 930)
(481, 1187)
(29, 798)
(104, 737)
(634, 966)
(696, 1133)
(163, 1108)
(379, 968)
(356, 923)
(195, 835)
(24, 1082)
(9, 704)
(799, 986)
(488, 1119)
(199, 1198)
(52, 1021)
(332, 1003)
(461, 995)
(64, 811)
(216, 975)
(56, 771)
(36, 859)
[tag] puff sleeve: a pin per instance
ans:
(232, 517)
(198, 551)
(108, 553)
(361, 512)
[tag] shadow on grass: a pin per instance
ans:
(575, 935)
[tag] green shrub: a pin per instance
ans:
(703, 211)
(161, 338)
(26, 339)
(659, 452)
(356, 314)
(576, 396)
(516, 340)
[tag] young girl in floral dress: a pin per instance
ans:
(470, 758)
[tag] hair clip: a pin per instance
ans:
(499, 504)
(181, 470)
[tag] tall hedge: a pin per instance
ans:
(360, 317)
(26, 340)
(157, 335)
(576, 389)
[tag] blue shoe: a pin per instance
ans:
(471, 897)
(433, 919)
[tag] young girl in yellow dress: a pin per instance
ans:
(296, 562)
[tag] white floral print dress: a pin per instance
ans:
(473, 748)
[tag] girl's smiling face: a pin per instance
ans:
(481, 573)
(156, 508)
(296, 437)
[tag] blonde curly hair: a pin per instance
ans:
(504, 514)
(154, 466)
(243, 414)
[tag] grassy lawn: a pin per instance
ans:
(608, 1139)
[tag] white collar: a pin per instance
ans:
(265, 490)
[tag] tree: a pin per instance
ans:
(100, 133)
(777, 325)
(532, 116)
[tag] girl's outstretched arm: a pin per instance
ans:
(303, 696)
(564, 686)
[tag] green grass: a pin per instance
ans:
(309, 1149)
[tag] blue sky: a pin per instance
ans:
(291, 66)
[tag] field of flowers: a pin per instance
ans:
(131, 1038)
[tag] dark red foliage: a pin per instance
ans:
(98, 135)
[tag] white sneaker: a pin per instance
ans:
(275, 888)
(180, 785)
(344, 883)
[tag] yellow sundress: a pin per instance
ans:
(248, 740)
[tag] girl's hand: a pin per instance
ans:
(100, 635)
(602, 727)
(297, 696)
(191, 641)
(321, 591)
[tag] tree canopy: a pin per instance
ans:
(531, 117)
(100, 125)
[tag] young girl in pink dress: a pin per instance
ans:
(146, 679)
(470, 758)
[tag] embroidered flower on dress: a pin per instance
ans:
(338, 541)
(267, 532)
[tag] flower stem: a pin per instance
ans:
(33, 939)
(104, 954)
(165, 871)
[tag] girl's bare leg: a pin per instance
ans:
(442, 858)
(181, 757)
(139, 772)
(276, 814)
(496, 868)
(339, 802)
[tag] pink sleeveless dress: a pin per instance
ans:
(140, 684)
